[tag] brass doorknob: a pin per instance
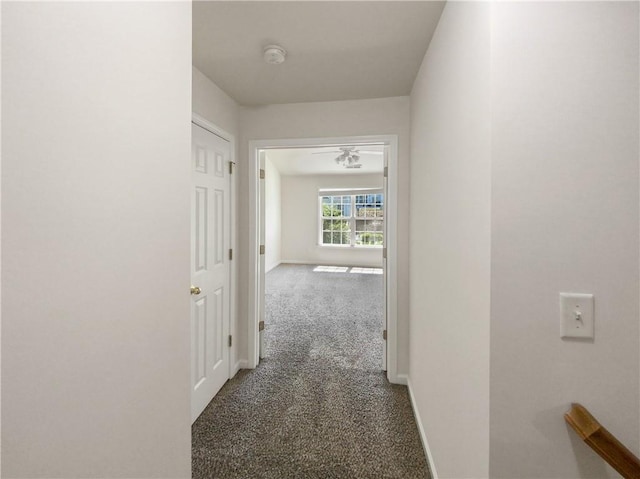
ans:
(195, 290)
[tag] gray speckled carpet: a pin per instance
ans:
(318, 406)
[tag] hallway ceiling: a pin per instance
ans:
(339, 50)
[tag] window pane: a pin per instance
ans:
(369, 232)
(336, 237)
(360, 206)
(369, 206)
(336, 231)
(369, 238)
(330, 210)
(336, 206)
(368, 210)
(369, 225)
(339, 225)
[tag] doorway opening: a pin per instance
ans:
(349, 211)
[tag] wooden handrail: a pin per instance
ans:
(603, 442)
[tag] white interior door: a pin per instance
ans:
(210, 268)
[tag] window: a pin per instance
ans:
(351, 218)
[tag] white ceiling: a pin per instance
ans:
(337, 50)
(305, 161)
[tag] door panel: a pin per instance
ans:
(200, 367)
(200, 229)
(210, 269)
(219, 226)
(218, 339)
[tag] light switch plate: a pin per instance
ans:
(576, 315)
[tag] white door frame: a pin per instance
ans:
(207, 125)
(391, 242)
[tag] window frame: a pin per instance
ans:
(352, 192)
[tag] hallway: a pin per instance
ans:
(318, 406)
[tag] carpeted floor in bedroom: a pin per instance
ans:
(318, 406)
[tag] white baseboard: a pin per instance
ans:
(329, 263)
(272, 266)
(241, 364)
(423, 437)
(401, 379)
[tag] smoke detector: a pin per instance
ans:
(274, 54)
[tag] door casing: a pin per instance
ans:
(391, 217)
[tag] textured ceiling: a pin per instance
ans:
(336, 50)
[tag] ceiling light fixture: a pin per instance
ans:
(349, 156)
(348, 159)
(274, 54)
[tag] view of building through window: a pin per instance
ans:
(355, 219)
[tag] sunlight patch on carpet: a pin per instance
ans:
(366, 270)
(330, 269)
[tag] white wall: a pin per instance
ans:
(211, 103)
(564, 218)
(215, 106)
(450, 242)
(300, 221)
(556, 146)
(272, 213)
(330, 119)
(95, 211)
(0, 250)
